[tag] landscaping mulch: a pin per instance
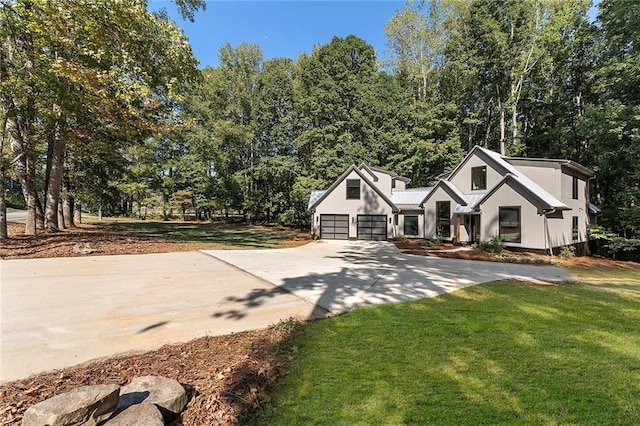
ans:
(225, 376)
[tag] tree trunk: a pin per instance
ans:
(55, 177)
(503, 150)
(24, 170)
(77, 211)
(67, 203)
(61, 224)
(3, 207)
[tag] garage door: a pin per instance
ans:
(372, 227)
(334, 226)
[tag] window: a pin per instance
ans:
(395, 219)
(353, 189)
(510, 224)
(411, 225)
(575, 188)
(443, 214)
(393, 183)
(574, 228)
(478, 178)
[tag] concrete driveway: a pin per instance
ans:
(338, 276)
(61, 312)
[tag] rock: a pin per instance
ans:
(84, 248)
(86, 405)
(167, 394)
(144, 414)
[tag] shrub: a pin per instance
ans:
(429, 243)
(567, 252)
(401, 239)
(494, 245)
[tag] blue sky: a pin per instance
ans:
(282, 28)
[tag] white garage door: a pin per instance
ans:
(334, 226)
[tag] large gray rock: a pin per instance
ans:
(167, 394)
(86, 405)
(145, 414)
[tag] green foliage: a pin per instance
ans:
(494, 245)
(567, 252)
(609, 244)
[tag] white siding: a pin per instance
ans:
(531, 221)
(462, 178)
(439, 194)
(400, 227)
(545, 174)
(369, 203)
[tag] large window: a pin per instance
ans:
(510, 228)
(353, 189)
(443, 213)
(411, 225)
(575, 232)
(574, 188)
(478, 178)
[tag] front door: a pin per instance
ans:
(475, 228)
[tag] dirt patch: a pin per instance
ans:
(225, 376)
(105, 240)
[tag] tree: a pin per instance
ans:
(111, 59)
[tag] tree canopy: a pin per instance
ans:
(102, 106)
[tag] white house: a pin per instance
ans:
(531, 203)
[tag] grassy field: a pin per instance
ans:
(218, 235)
(500, 353)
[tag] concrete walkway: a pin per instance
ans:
(64, 311)
(338, 276)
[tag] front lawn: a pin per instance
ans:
(500, 353)
(214, 235)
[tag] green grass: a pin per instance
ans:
(500, 353)
(216, 235)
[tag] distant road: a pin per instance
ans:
(22, 215)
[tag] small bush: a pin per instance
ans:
(401, 239)
(429, 243)
(494, 245)
(567, 252)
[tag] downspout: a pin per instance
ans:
(546, 230)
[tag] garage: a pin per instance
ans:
(334, 226)
(372, 227)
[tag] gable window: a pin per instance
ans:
(443, 214)
(353, 189)
(575, 233)
(574, 188)
(393, 183)
(411, 225)
(510, 226)
(478, 178)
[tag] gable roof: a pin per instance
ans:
(544, 200)
(524, 181)
(372, 169)
(343, 176)
(501, 163)
(451, 189)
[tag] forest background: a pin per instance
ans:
(102, 106)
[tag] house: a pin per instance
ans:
(367, 203)
(529, 203)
